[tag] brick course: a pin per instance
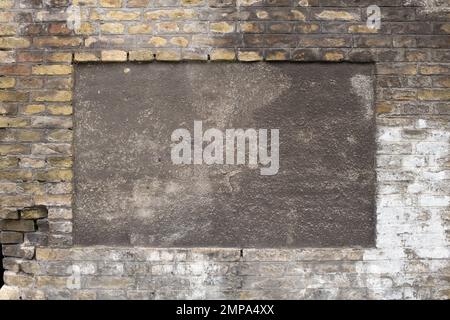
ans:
(412, 56)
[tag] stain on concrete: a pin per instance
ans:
(128, 192)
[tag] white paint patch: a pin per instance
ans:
(362, 86)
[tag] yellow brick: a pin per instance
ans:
(13, 42)
(8, 30)
(85, 56)
(384, 108)
(250, 27)
(84, 2)
(140, 29)
(60, 57)
(34, 108)
(16, 175)
(53, 96)
(336, 15)
(112, 28)
(192, 2)
(221, 27)
(298, 15)
(157, 41)
(308, 28)
(277, 56)
(223, 54)
(179, 41)
(248, 56)
(178, 14)
(121, 15)
(55, 175)
(110, 3)
(7, 82)
(6, 4)
(60, 135)
(63, 110)
(6, 149)
(53, 200)
(141, 55)
(445, 27)
(261, 14)
(113, 55)
(396, 69)
(10, 162)
(334, 56)
(7, 122)
(435, 69)
(52, 69)
(60, 162)
(29, 135)
(434, 94)
(361, 28)
(85, 28)
(168, 27)
(168, 55)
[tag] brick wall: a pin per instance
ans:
(39, 45)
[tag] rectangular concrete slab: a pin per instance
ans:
(128, 191)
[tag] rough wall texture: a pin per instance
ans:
(322, 196)
(412, 60)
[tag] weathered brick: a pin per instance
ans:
(7, 149)
(157, 41)
(7, 82)
(7, 57)
(8, 109)
(11, 237)
(223, 54)
(54, 175)
(33, 109)
(167, 27)
(60, 57)
(110, 3)
(53, 69)
(179, 41)
(86, 56)
(113, 55)
(60, 110)
(140, 29)
(137, 3)
(168, 55)
(18, 225)
(141, 55)
(53, 96)
(18, 280)
(194, 54)
(57, 41)
(85, 28)
(112, 28)
(33, 213)
(18, 69)
(249, 56)
(397, 68)
(13, 96)
(434, 94)
(222, 27)
(343, 15)
(13, 42)
(175, 14)
(6, 213)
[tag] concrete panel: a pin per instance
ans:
(128, 191)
